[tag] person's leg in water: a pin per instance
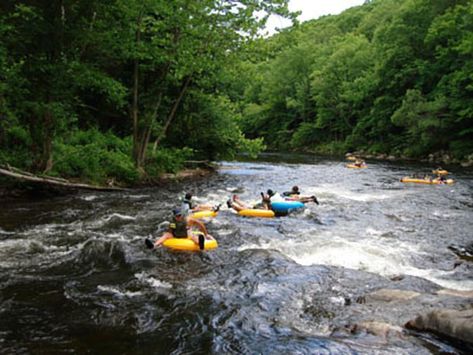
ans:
(199, 238)
(157, 243)
(237, 204)
(309, 199)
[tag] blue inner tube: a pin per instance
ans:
(286, 206)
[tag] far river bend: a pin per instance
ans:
(75, 276)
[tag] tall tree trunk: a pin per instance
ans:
(146, 132)
(48, 142)
(173, 111)
(42, 146)
(134, 107)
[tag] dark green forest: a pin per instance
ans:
(391, 76)
(129, 89)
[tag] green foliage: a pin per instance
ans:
(461, 148)
(212, 129)
(306, 135)
(17, 136)
(15, 141)
(387, 77)
(331, 148)
(341, 85)
(377, 148)
(94, 156)
(123, 67)
(167, 160)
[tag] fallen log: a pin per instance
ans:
(52, 181)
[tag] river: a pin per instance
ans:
(75, 275)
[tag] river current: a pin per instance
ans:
(75, 275)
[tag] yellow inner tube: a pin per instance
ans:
(203, 214)
(188, 244)
(256, 213)
(353, 166)
(428, 182)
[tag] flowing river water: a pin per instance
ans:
(75, 275)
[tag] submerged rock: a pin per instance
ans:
(457, 293)
(450, 322)
(463, 252)
(389, 295)
(386, 312)
(381, 329)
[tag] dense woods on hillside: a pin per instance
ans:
(129, 89)
(391, 76)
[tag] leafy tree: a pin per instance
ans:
(423, 121)
(174, 45)
(341, 85)
(451, 73)
(388, 76)
(124, 65)
(211, 125)
(45, 41)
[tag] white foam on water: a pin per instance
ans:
(361, 197)
(212, 198)
(110, 218)
(18, 253)
(119, 216)
(232, 189)
(117, 292)
(10, 246)
(261, 245)
(341, 192)
(89, 197)
(353, 255)
(440, 277)
(3, 231)
(442, 214)
(153, 282)
(118, 236)
(384, 258)
(45, 231)
(136, 197)
(373, 232)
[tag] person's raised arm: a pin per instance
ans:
(198, 224)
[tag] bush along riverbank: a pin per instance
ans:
(97, 159)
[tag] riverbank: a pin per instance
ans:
(434, 158)
(15, 188)
(185, 174)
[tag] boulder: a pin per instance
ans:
(457, 293)
(452, 323)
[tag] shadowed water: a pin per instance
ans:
(75, 275)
